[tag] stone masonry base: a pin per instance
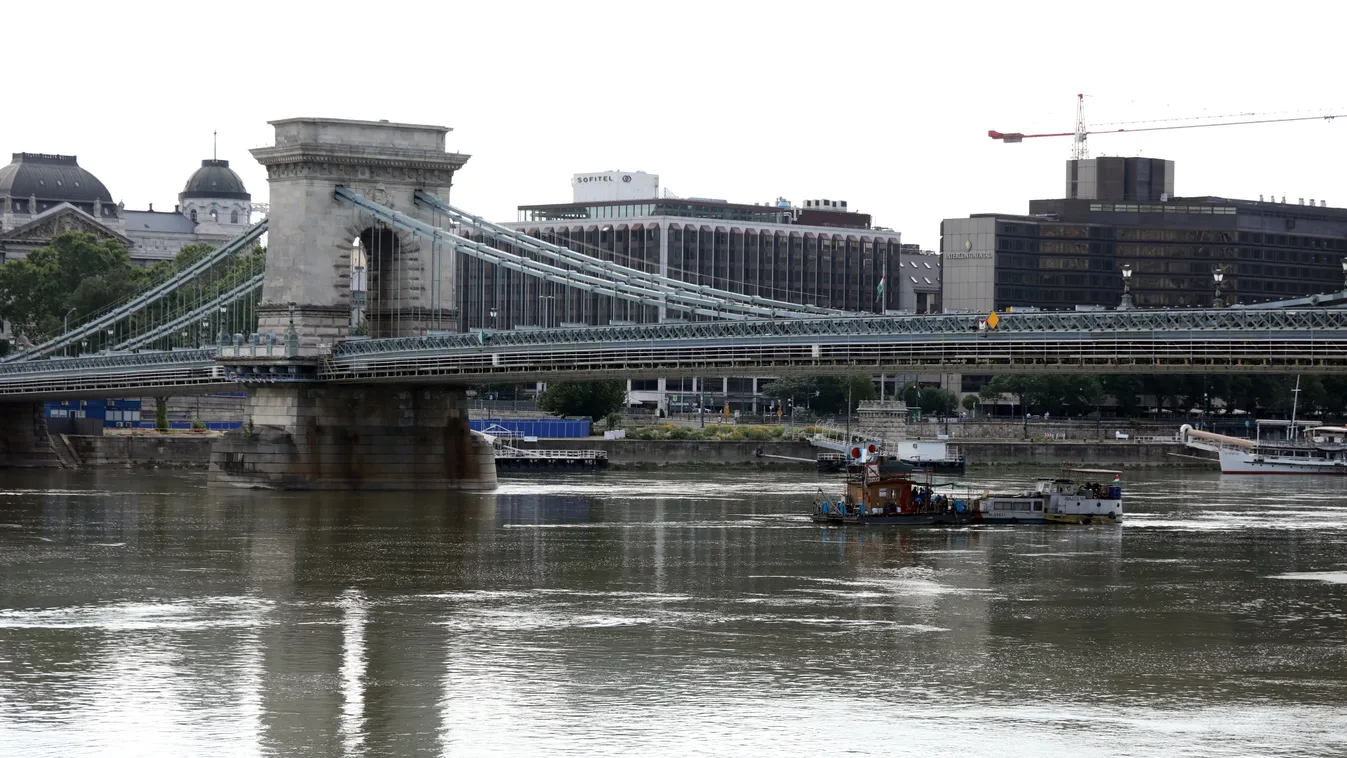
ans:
(23, 437)
(384, 437)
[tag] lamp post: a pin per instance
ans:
(1218, 276)
(1344, 274)
(65, 322)
(1126, 303)
(547, 322)
(493, 318)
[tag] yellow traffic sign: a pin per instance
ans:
(993, 320)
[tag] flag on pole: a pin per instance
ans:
(879, 291)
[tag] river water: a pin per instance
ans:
(664, 613)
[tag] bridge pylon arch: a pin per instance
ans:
(310, 235)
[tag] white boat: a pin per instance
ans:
(1317, 450)
(1057, 501)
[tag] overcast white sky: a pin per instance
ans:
(883, 104)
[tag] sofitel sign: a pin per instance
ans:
(599, 178)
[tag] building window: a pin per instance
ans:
(214, 216)
(194, 215)
(234, 217)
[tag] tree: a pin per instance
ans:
(75, 271)
(1125, 389)
(824, 394)
(798, 389)
(593, 399)
(970, 403)
(1001, 385)
(933, 401)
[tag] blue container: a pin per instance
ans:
(529, 427)
(1115, 492)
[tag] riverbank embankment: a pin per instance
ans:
(193, 451)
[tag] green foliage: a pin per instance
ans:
(79, 275)
(969, 402)
(727, 432)
(933, 401)
(823, 394)
(161, 414)
(76, 270)
(198, 425)
(612, 420)
(593, 399)
(1130, 395)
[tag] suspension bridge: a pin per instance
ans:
(386, 409)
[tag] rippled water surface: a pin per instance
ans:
(664, 614)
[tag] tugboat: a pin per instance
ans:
(1057, 501)
(885, 491)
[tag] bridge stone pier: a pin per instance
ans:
(304, 434)
(24, 442)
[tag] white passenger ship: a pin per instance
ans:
(1317, 450)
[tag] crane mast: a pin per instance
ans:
(1081, 150)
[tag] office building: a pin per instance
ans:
(821, 252)
(1116, 212)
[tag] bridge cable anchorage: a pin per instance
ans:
(645, 293)
(606, 268)
(155, 302)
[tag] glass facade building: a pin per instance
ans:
(749, 249)
(1070, 252)
(820, 254)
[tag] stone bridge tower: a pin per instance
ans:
(310, 237)
(304, 434)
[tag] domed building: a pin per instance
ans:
(215, 192)
(44, 195)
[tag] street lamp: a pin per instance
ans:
(493, 318)
(65, 322)
(548, 321)
(1344, 274)
(1126, 303)
(1218, 276)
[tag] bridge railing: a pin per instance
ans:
(1212, 324)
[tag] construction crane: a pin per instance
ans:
(1081, 148)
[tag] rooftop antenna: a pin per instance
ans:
(215, 145)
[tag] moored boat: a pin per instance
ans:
(885, 491)
(1057, 501)
(1317, 450)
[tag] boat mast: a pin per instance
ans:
(1295, 399)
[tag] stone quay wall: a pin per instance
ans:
(142, 450)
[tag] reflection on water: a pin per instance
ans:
(664, 614)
